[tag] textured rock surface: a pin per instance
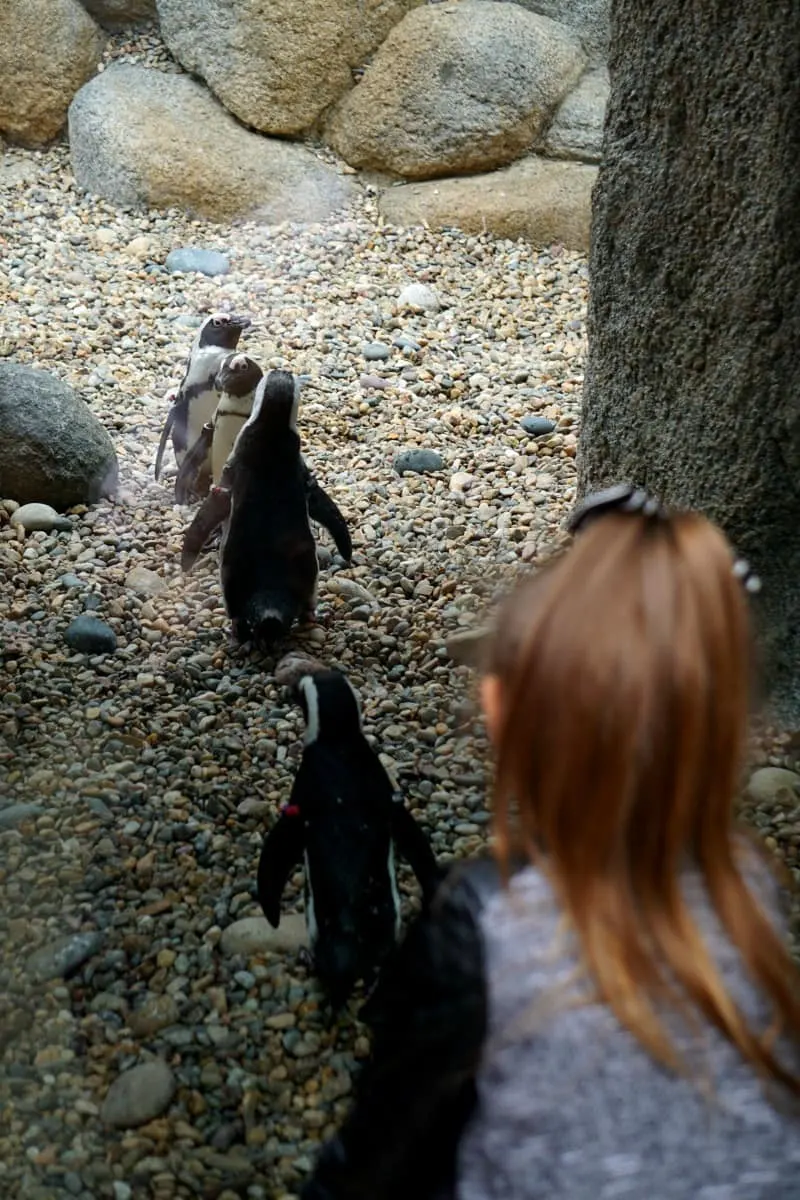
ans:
(456, 88)
(138, 1095)
(694, 320)
(538, 199)
(53, 450)
(589, 18)
(118, 14)
(577, 128)
(140, 137)
(277, 70)
(48, 49)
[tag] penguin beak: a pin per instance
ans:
(241, 322)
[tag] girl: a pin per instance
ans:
(609, 1009)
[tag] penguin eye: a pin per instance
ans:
(218, 321)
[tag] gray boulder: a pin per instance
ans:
(52, 447)
(277, 70)
(538, 199)
(142, 138)
(119, 14)
(589, 18)
(577, 129)
(48, 49)
(455, 89)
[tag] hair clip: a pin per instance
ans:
(623, 497)
(744, 572)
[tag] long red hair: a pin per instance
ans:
(624, 670)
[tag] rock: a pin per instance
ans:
(277, 71)
(90, 635)
(774, 785)
(39, 516)
(14, 814)
(145, 582)
(462, 481)
(418, 297)
(48, 49)
(133, 141)
(537, 426)
(119, 14)
(590, 19)
(139, 1095)
(538, 198)
(62, 957)
(467, 648)
(376, 351)
(456, 89)
(294, 666)
(205, 262)
(373, 381)
(71, 581)
(157, 1012)
(577, 128)
(423, 462)
(53, 450)
(254, 935)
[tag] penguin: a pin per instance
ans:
(344, 823)
(196, 400)
(268, 556)
(235, 384)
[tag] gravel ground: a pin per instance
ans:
(136, 786)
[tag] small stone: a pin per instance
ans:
(72, 581)
(467, 648)
(254, 935)
(419, 297)
(90, 635)
(14, 814)
(537, 426)
(40, 516)
(774, 785)
(144, 582)
(157, 1012)
(139, 247)
(422, 462)
(376, 351)
(373, 381)
(461, 482)
(139, 1095)
(285, 1020)
(191, 258)
(122, 1191)
(63, 956)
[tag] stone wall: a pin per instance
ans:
(476, 113)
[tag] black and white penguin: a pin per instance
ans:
(345, 824)
(197, 396)
(268, 556)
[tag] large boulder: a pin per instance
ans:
(577, 128)
(278, 69)
(589, 18)
(48, 49)
(53, 449)
(538, 199)
(143, 138)
(119, 14)
(457, 88)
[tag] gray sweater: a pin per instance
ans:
(571, 1107)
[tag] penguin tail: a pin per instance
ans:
(338, 968)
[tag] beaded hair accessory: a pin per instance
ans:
(627, 499)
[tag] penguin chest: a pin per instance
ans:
(226, 430)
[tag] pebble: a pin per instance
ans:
(90, 635)
(254, 935)
(421, 462)
(373, 381)
(157, 1012)
(537, 426)
(40, 517)
(138, 1095)
(63, 956)
(145, 582)
(191, 258)
(376, 351)
(774, 785)
(15, 814)
(419, 297)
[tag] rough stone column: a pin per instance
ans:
(693, 378)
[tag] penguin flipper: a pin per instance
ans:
(191, 476)
(325, 511)
(281, 852)
(165, 432)
(212, 512)
(415, 848)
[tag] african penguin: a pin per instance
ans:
(196, 400)
(268, 556)
(344, 824)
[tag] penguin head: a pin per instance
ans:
(276, 400)
(330, 706)
(222, 329)
(238, 375)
